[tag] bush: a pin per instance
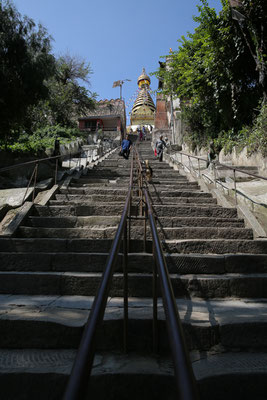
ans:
(254, 137)
(42, 139)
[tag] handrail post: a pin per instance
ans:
(198, 167)
(214, 173)
(235, 188)
(56, 171)
(155, 303)
(25, 194)
(35, 179)
(125, 290)
(141, 191)
(69, 160)
(189, 163)
(145, 224)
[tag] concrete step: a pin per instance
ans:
(137, 262)
(117, 208)
(100, 209)
(194, 211)
(174, 175)
(236, 375)
(48, 245)
(140, 285)
(137, 232)
(119, 164)
(91, 199)
(123, 192)
(213, 246)
(120, 184)
(44, 373)
(46, 322)
(76, 222)
(203, 246)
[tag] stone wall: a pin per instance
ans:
(243, 159)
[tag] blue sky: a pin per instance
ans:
(117, 37)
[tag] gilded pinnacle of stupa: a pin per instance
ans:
(143, 79)
(144, 108)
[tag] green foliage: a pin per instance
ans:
(253, 137)
(43, 138)
(213, 71)
(36, 89)
(25, 62)
(67, 99)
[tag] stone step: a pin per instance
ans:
(137, 262)
(44, 373)
(123, 192)
(236, 375)
(203, 246)
(173, 175)
(137, 232)
(117, 208)
(100, 209)
(119, 164)
(120, 184)
(194, 211)
(48, 245)
(125, 169)
(92, 199)
(139, 285)
(211, 246)
(75, 222)
(46, 322)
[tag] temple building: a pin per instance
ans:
(108, 117)
(143, 111)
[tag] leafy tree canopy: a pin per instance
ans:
(36, 88)
(25, 62)
(220, 69)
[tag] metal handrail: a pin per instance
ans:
(185, 379)
(35, 170)
(83, 364)
(216, 163)
(33, 162)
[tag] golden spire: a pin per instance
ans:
(143, 98)
(143, 79)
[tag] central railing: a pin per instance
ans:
(82, 367)
(184, 376)
(81, 371)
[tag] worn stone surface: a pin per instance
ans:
(52, 269)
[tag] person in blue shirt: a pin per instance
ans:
(126, 145)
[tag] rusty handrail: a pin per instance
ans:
(185, 380)
(83, 364)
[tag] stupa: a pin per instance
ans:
(143, 111)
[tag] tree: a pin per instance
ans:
(251, 16)
(213, 68)
(67, 98)
(25, 62)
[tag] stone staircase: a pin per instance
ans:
(51, 270)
